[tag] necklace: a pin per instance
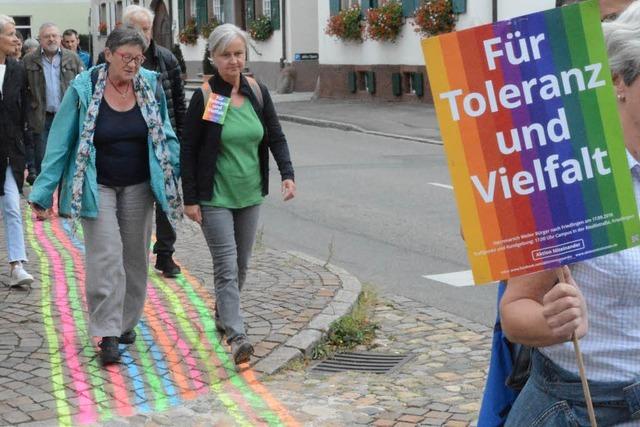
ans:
(122, 95)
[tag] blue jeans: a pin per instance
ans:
(230, 234)
(553, 397)
(12, 218)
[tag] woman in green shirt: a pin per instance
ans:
(230, 127)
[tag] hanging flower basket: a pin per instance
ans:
(434, 17)
(347, 25)
(385, 22)
(102, 28)
(189, 34)
(208, 28)
(260, 29)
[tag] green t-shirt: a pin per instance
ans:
(237, 182)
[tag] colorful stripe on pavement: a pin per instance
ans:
(177, 356)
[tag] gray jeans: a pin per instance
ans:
(230, 234)
(117, 258)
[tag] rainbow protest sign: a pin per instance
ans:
(530, 126)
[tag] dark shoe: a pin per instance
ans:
(241, 350)
(165, 264)
(128, 337)
(109, 353)
(31, 178)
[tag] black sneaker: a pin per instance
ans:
(31, 178)
(241, 350)
(128, 337)
(109, 353)
(168, 267)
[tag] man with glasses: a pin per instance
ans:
(50, 69)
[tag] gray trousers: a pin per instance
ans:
(117, 258)
(230, 234)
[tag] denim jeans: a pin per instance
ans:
(230, 234)
(553, 397)
(12, 218)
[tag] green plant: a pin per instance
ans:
(261, 28)
(177, 52)
(384, 22)
(207, 28)
(352, 330)
(434, 17)
(189, 34)
(347, 25)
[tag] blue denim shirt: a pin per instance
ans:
(52, 81)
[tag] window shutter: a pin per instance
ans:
(181, 14)
(275, 14)
(418, 84)
(371, 82)
(202, 12)
(352, 83)
(334, 7)
(408, 7)
(459, 6)
(396, 84)
(251, 10)
(366, 4)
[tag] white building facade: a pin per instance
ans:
(374, 70)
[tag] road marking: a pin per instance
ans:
(437, 184)
(458, 279)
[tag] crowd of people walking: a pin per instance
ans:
(111, 140)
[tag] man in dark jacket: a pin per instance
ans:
(160, 59)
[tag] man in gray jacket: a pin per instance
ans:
(49, 69)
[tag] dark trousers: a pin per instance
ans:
(40, 142)
(165, 234)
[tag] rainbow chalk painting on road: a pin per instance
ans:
(177, 356)
(533, 139)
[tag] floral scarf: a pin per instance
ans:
(150, 109)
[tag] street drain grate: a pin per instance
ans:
(377, 363)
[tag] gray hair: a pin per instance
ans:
(131, 11)
(30, 44)
(223, 35)
(125, 36)
(622, 38)
(4, 20)
(48, 25)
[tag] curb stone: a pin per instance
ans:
(300, 345)
(352, 128)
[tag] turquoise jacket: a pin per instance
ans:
(59, 163)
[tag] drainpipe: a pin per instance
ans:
(283, 27)
(494, 10)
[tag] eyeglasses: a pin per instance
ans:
(127, 59)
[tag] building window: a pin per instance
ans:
(23, 24)
(119, 11)
(193, 8)
(102, 14)
(266, 8)
(218, 10)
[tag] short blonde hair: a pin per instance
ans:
(4, 20)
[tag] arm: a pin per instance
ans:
(538, 312)
(177, 92)
(62, 140)
(277, 141)
(189, 147)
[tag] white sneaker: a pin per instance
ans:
(20, 277)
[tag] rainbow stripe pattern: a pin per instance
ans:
(529, 121)
(177, 356)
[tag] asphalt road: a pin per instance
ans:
(369, 204)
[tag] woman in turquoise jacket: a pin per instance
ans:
(112, 151)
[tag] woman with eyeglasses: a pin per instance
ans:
(113, 151)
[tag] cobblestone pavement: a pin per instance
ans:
(441, 385)
(178, 372)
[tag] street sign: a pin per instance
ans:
(306, 56)
(533, 140)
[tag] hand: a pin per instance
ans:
(565, 309)
(193, 213)
(288, 189)
(41, 213)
